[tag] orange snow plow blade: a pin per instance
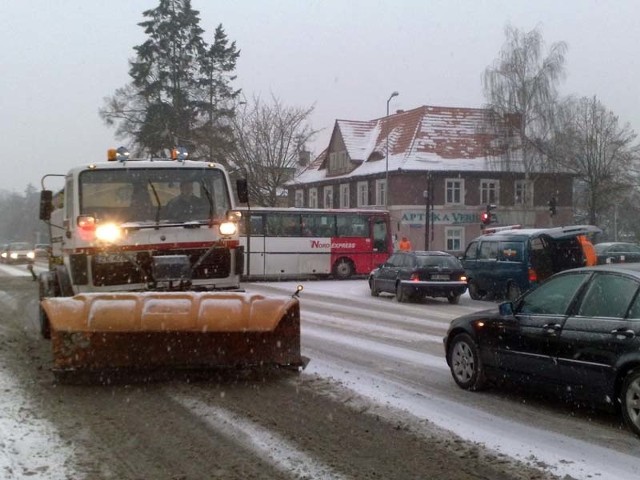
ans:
(94, 332)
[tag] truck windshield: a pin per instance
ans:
(150, 195)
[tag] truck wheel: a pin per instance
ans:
(45, 328)
(630, 397)
(45, 289)
(64, 281)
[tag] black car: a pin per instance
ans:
(413, 275)
(617, 252)
(579, 330)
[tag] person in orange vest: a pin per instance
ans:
(588, 250)
(404, 245)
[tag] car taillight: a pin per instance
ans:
(533, 276)
(414, 277)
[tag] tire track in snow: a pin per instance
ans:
(378, 348)
(357, 327)
(267, 445)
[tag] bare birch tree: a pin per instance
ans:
(269, 138)
(521, 85)
(592, 144)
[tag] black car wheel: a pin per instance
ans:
(465, 363)
(372, 287)
(401, 296)
(474, 292)
(453, 298)
(513, 292)
(630, 396)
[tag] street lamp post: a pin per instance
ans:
(386, 174)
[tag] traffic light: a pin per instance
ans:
(553, 204)
(486, 217)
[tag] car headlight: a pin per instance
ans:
(109, 232)
(31, 255)
(14, 255)
(228, 228)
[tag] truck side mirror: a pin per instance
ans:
(242, 187)
(46, 204)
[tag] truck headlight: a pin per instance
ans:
(228, 228)
(109, 232)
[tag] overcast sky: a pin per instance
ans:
(60, 59)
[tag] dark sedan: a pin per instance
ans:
(413, 275)
(580, 330)
(617, 252)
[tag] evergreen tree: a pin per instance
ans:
(217, 104)
(180, 87)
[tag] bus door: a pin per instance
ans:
(318, 229)
(381, 241)
(281, 244)
(254, 246)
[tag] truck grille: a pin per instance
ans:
(137, 269)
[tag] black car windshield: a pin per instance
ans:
(441, 261)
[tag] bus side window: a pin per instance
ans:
(257, 225)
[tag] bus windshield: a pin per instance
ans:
(154, 195)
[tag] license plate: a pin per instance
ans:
(439, 277)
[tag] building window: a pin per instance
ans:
(523, 193)
(338, 162)
(299, 198)
(454, 238)
(328, 197)
(363, 194)
(344, 195)
(313, 198)
(381, 192)
(489, 192)
(454, 188)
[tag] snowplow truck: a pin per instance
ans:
(144, 273)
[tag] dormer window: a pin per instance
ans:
(338, 162)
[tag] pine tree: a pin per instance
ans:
(180, 87)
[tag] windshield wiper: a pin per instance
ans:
(155, 194)
(208, 194)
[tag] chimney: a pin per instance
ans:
(304, 157)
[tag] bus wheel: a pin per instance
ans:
(343, 269)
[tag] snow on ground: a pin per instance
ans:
(29, 446)
(22, 433)
(561, 454)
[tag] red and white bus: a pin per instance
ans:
(305, 242)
